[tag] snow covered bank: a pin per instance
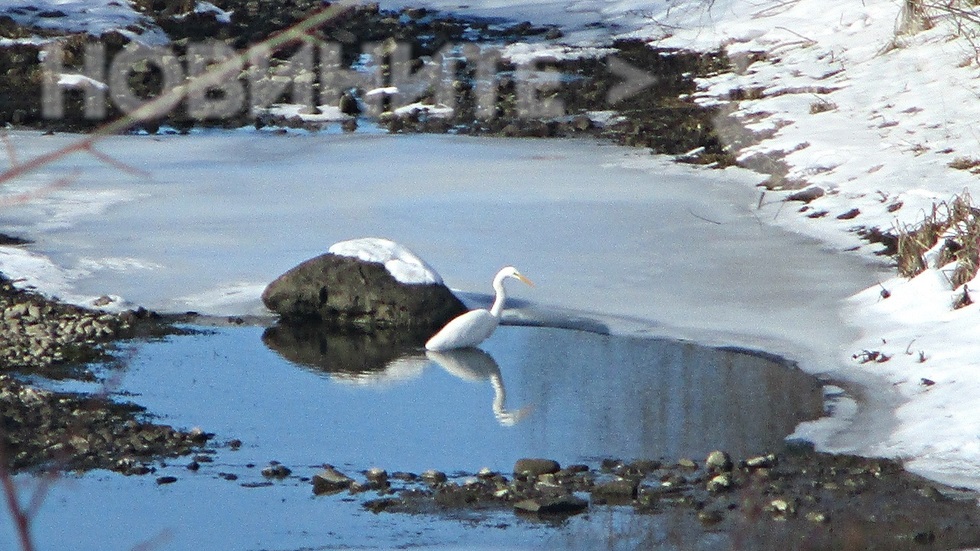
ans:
(875, 119)
(879, 121)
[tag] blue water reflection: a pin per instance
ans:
(577, 396)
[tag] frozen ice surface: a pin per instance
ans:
(647, 246)
(603, 229)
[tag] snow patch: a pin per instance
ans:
(402, 263)
(438, 111)
(70, 80)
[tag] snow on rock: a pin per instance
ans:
(404, 265)
(73, 80)
(221, 15)
(327, 113)
(438, 111)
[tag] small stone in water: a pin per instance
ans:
(718, 461)
(709, 517)
(761, 462)
(330, 480)
(534, 467)
(817, 517)
(720, 483)
(276, 470)
(166, 480)
(376, 475)
(433, 477)
(616, 489)
(559, 505)
(687, 463)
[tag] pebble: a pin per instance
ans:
(616, 489)
(533, 467)
(37, 333)
(433, 477)
(276, 470)
(761, 462)
(710, 517)
(718, 461)
(565, 505)
(817, 517)
(330, 480)
(687, 463)
(720, 483)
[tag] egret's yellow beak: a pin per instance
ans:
(524, 279)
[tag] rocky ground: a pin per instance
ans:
(62, 430)
(794, 499)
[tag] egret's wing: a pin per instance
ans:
(469, 329)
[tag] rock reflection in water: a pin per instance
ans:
(374, 358)
(346, 355)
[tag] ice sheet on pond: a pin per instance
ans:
(643, 245)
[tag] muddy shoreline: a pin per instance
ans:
(794, 498)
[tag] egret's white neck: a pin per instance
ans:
(498, 303)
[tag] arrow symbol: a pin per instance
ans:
(634, 80)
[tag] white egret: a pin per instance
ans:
(473, 327)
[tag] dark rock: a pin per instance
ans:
(609, 465)
(348, 104)
(553, 33)
(710, 517)
(348, 293)
(552, 505)
(807, 194)
(379, 505)
(433, 477)
(532, 467)
(622, 489)
(330, 480)
(276, 470)
(166, 480)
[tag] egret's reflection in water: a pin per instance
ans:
(473, 364)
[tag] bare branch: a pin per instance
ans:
(111, 161)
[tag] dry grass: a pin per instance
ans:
(965, 163)
(954, 225)
(822, 106)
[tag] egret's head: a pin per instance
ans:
(511, 271)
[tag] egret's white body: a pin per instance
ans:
(475, 326)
